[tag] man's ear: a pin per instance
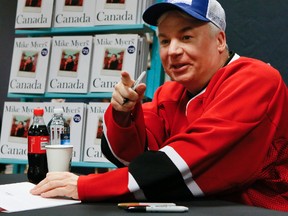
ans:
(221, 41)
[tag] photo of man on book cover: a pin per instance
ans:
(69, 63)
(33, 6)
(113, 61)
(115, 1)
(28, 64)
(115, 4)
(19, 128)
(73, 5)
(99, 130)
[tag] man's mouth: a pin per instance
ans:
(177, 66)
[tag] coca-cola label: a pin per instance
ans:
(36, 144)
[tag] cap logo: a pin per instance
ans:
(189, 2)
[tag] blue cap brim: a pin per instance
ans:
(154, 12)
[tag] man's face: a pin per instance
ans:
(189, 50)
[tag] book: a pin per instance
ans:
(34, 14)
(112, 54)
(18, 117)
(29, 66)
(113, 12)
(75, 115)
(94, 131)
(74, 13)
(70, 64)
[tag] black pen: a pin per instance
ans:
(158, 209)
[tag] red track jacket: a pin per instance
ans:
(228, 141)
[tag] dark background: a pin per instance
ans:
(258, 28)
(255, 28)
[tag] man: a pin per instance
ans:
(113, 62)
(218, 129)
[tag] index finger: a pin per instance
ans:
(126, 79)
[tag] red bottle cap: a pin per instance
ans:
(38, 111)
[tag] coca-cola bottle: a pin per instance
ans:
(38, 138)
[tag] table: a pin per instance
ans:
(196, 207)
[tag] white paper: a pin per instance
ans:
(17, 197)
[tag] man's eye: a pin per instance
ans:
(187, 37)
(163, 42)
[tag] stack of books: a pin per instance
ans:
(75, 64)
(75, 115)
(74, 13)
(115, 12)
(34, 14)
(114, 53)
(85, 120)
(18, 118)
(94, 132)
(29, 66)
(70, 64)
(78, 13)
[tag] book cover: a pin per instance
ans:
(112, 54)
(75, 115)
(34, 14)
(113, 12)
(29, 66)
(17, 118)
(74, 13)
(94, 131)
(70, 64)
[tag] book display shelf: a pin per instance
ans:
(154, 77)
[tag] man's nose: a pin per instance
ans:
(175, 48)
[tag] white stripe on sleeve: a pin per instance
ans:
(134, 188)
(184, 169)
